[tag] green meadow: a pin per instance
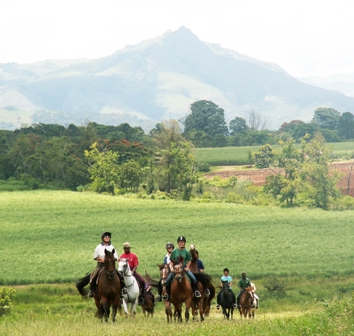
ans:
(47, 239)
(239, 155)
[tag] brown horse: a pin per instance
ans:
(164, 273)
(181, 291)
(208, 291)
(107, 293)
(246, 307)
(149, 304)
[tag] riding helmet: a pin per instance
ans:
(106, 234)
(169, 245)
(181, 238)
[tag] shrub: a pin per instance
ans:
(274, 284)
(6, 295)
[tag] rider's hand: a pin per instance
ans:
(186, 269)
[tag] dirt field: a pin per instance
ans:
(258, 176)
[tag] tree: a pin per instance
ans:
(317, 178)
(238, 125)
(255, 121)
(264, 157)
(326, 118)
(346, 125)
(103, 169)
(130, 175)
(207, 117)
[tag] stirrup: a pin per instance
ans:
(217, 306)
(207, 292)
(141, 301)
(235, 305)
(197, 294)
(158, 298)
(166, 297)
(91, 294)
(124, 290)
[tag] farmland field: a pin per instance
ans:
(48, 237)
(239, 155)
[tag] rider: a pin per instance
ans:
(228, 278)
(181, 251)
(133, 264)
(99, 255)
(166, 261)
(242, 285)
(200, 264)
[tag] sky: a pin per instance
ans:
(304, 37)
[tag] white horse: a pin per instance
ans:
(132, 287)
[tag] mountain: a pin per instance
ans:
(154, 80)
(339, 82)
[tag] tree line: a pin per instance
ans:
(205, 126)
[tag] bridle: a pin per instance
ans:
(164, 272)
(109, 264)
(178, 271)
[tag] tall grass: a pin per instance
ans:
(50, 236)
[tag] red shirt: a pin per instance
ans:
(132, 259)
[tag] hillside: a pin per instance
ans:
(154, 80)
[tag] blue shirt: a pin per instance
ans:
(226, 278)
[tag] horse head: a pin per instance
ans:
(164, 272)
(109, 263)
(225, 287)
(123, 266)
(178, 268)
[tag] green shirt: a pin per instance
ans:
(184, 253)
(244, 283)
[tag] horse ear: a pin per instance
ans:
(159, 265)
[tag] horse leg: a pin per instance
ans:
(232, 312)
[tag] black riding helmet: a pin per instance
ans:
(181, 238)
(106, 234)
(169, 245)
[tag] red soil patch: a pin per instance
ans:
(258, 176)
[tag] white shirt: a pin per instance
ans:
(99, 251)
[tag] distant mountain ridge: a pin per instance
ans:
(154, 80)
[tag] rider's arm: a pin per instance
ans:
(188, 264)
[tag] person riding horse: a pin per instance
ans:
(133, 264)
(99, 255)
(181, 251)
(228, 278)
(243, 283)
(166, 261)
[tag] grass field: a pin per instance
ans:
(239, 155)
(48, 237)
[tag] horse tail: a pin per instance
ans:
(150, 281)
(81, 283)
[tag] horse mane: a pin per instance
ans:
(204, 278)
(179, 260)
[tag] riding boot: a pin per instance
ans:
(91, 293)
(168, 293)
(196, 291)
(141, 297)
(122, 285)
(159, 292)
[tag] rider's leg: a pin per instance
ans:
(141, 282)
(233, 298)
(93, 279)
(159, 291)
(218, 300)
(122, 284)
(257, 300)
(168, 287)
(238, 299)
(194, 284)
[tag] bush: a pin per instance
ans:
(6, 295)
(274, 284)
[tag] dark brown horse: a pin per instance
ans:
(107, 293)
(149, 304)
(246, 307)
(208, 290)
(164, 273)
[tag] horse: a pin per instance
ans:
(164, 272)
(132, 286)
(208, 292)
(181, 291)
(149, 304)
(107, 293)
(226, 301)
(246, 307)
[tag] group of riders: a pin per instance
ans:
(173, 254)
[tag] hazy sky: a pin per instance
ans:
(304, 37)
